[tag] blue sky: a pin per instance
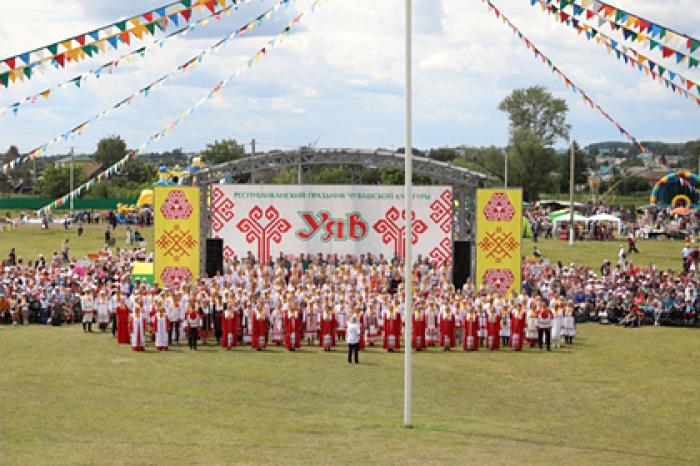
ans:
(339, 79)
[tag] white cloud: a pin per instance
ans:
(340, 77)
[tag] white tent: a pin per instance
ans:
(607, 218)
(565, 219)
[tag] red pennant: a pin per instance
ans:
(666, 52)
(11, 62)
(564, 17)
(125, 37)
(60, 59)
(186, 13)
(689, 84)
(589, 14)
(148, 16)
(81, 40)
(210, 5)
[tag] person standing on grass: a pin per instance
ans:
(352, 337)
(631, 243)
(544, 326)
(192, 323)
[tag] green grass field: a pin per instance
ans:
(32, 240)
(617, 396)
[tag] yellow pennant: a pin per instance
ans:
(46, 93)
(67, 45)
(135, 21)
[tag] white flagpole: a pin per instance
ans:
(408, 182)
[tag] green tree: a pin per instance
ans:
(536, 110)
(55, 181)
(109, 151)
(443, 154)
(580, 169)
(531, 165)
(11, 154)
(222, 151)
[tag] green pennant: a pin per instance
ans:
(693, 63)
(633, 36)
(53, 49)
(662, 34)
(662, 70)
(563, 4)
(187, 3)
(698, 86)
(653, 44)
(694, 44)
(77, 81)
(28, 72)
(619, 16)
(151, 27)
(618, 53)
(554, 10)
(141, 51)
(88, 50)
(161, 25)
(121, 25)
(593, 33)
(4, 79)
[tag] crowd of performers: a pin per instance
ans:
(291, 302)
(230, 317)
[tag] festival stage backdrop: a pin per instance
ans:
(498, 239)
(269, 219)
(176, 234)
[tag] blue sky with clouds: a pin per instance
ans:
(339, 78)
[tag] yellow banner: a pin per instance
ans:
(176, 238)
(498, 239)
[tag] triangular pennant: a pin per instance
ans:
(679, 57)
(77, 81)
(4, 78)
(125, 37)
(151, 28)
(187, 3)
(693, 45)
(666, 52)
(113, 41)
(60, 59)
(11, 63)
(175, 19)
(28, 72)
(46, 93)
(80, 40)
(95, 35)
(53, 49)
(693, 62)
(121, 25)
(160, 12)
(25, 57)
(210, 6)
(186, 13)
(135, 21)
(68, 44)
(148, 16)
(138, 32)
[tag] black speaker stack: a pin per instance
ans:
(215, 256)
(461, 263)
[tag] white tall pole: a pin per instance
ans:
(505, 170)
(71, 180)
(572, 185)
(408, 183)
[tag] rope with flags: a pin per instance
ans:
(635, 28)
(71, 50)
(683, 87)
(569, 83)
(216, 90)
(110, 66)
(145, 91)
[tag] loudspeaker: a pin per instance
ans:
(461, 263)
(215, 256)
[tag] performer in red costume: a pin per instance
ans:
(122, 323)
(229, 327)
(328, 325)
(517, 328)
(418, 339)
(392, 331)
(292, 330)
(259, 330)
(493, 328)
(447, 329)
(372, 327)
(137, 329)
(361, 318)
(471, 331)
(161, 328)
